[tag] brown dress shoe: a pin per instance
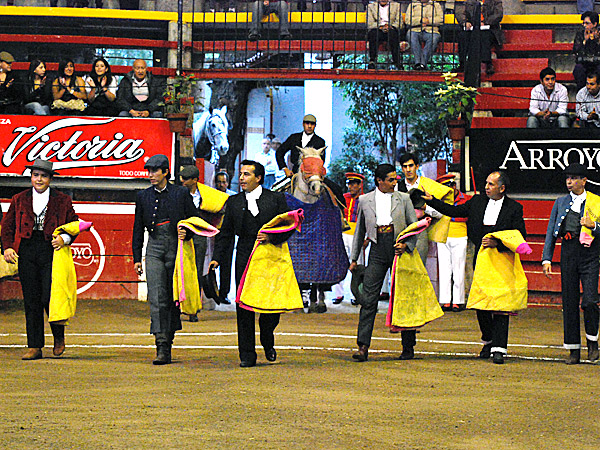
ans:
(59, 347)
(362, 355)
(574, 357)
(32, 353)
(593, 353)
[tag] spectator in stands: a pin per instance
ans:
(548, 104)
(262, 8)
(588, 102)
(68, 90)
(221, 5)
(586, 48)
(423, 20)
(10, 102)
(267, 158)
(488, 17)
(129, 4)
(139, 93)
(101, 89)
(383, 24)
(222, 182)
(37, 94)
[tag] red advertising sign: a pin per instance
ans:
(107, 147)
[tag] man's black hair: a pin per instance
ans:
(407, 157)
(259, 169)
(592, 15)
(382, 170)
(503, 178)
(593, 74)
(547, 71)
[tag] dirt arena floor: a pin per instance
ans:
(105, 394)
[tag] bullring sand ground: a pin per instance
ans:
(104, 393)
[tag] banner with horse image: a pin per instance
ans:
(210, 134)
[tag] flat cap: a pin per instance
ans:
(189, 172)
(309, 118)
(41, 164)
(6, 57)
(157, 162)
(576, 169)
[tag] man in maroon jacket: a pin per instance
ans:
(27, 230)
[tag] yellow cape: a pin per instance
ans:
(7, 269)
(63, 290)
(592, 208)
(413, 302)
(499, 281)
(213, 200)
(438, 231)
(186, 288)
(269, 283)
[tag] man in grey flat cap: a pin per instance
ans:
(574, 219)
(306, 138)
(158, 209)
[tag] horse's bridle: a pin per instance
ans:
(210, 136)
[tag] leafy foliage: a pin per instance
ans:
(360, 154)
(456, 100)
(385, 109)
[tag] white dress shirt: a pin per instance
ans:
(306, 138)
(40, 201)
(251, 198)
(197, 198)
(555, 102)
(383, 207)
(384, 15)
(492, 210)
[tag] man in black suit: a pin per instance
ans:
(245, 214)
(307, 138)
(488, 213)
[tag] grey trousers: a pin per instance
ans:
(381, 258)
(160, 263)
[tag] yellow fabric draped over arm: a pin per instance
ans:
(592, 208)
(269, 283)
(438, 231)
(7, 269)
(499, 281)
(186, 287)
(413, 302)
(63, 290)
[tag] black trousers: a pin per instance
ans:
(579, 264)
(246, 326)
(381, 259)
(494, 329)
(35, 273)
(376, 36)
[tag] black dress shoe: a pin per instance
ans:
(247, 363)
(193, 317)
(362, 355)
(225, 301)
(593, 353)
(337, 300)
(574, 357)
(458, 308)
(407, 353)
(270, 354)
(486, 351)
(163, 355)
(498, 358)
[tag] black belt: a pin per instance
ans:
(384, 229)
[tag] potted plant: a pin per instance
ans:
(178, 100)
(456, 102)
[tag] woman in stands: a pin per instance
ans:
(101, 89)
(68, 90)
(37, 95)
